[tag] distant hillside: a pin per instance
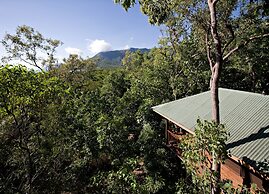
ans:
(113, 58)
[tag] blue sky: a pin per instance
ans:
(84, 26)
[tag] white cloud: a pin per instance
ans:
(73, 51)
(97, 46)
(126, 47)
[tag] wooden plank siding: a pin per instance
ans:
(231, 169)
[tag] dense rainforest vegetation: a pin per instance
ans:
(76, 128)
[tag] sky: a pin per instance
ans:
(86, 27)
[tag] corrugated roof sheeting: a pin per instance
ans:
(245, 114)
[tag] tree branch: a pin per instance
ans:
(215, 1)
(230, 29)
(244, 44)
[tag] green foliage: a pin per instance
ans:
(250, 71)
(197, 150)
(214, 32)
(77, 72)
(126, 3)
(212, 137)
(80, 129)
(25, 98)
(27, 45)
(227, 188)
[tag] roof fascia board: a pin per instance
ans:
(180, 125)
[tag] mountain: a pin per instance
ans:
(113, 58)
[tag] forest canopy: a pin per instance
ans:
(73, 127)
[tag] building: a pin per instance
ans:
(245, 115)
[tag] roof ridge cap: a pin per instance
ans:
(242, 91)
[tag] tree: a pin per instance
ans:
(26, 97)
(209, 137)
(248, 72)
(225, 28)
(30, 47)
(79, 73)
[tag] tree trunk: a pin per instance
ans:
(215, 117)
(215, 75)
(214, 86)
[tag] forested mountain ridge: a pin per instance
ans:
(113, 58)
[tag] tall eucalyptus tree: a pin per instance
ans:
(222, 28)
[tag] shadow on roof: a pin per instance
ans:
(261, 134)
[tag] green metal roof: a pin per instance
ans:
(245, 114)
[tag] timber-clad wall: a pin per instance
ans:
(231, 169)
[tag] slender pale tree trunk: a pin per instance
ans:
(215, 66)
